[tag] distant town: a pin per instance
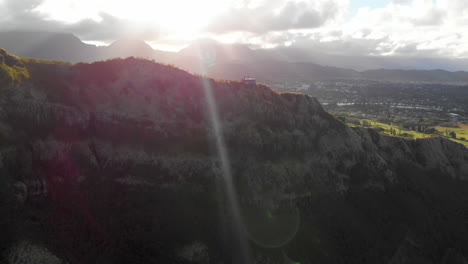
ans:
(409, 109)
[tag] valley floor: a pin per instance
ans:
(460, 130)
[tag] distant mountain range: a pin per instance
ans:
(67, 47)
(230, 61)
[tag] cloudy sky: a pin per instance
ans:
(343, 27)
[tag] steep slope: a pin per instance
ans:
(115, 162)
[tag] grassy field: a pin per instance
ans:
(462, 131)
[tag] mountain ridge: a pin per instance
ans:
(117, 160)
(220, 61)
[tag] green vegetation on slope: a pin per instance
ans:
(12, 67)
(18, 69)
(399, 131)
(15, 73)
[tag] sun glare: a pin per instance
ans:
(175, 16)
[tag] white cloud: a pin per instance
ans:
(414, 28)
(401, 28)
(266, 16)
(405, 27)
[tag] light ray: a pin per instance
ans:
(222, 152)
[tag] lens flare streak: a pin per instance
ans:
(227, 174)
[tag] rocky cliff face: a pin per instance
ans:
(115, 162)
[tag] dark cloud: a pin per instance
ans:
(346, 46)
(21, 15)
(359, 44)
(262, 19)
(22, 6)
(111, 28)
(433, 17)
(360, 54)
(406, 49)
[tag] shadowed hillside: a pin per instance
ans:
(115, 162)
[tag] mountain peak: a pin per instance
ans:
(128, 47)
(130, 42)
